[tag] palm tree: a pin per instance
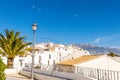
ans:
(12, 45)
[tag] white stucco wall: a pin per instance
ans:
(4, 59)
(75, 55)
(102, 62)
(16, 62)
(45, 57)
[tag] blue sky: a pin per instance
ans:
(64, 21)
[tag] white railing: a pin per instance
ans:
(98, 74)
(92, 73)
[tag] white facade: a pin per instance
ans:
(93, 67)
(4, 59)
(102, 62)
(50, 53)
(75, 54)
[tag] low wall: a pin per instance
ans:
(38, 76)
(11, 71)
(48, 75)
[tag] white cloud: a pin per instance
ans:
(33, 6)
(115, 35)
(106, 38)
(99, 39)
(39, 9)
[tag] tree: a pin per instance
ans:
(112, 54)
(12, 45)
(2, 68)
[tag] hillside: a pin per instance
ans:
(97, 50)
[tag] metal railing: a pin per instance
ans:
(69, 69)
(98, 74)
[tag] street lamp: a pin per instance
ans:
(34, 28)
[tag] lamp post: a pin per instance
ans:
(34, 28)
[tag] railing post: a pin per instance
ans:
(75, 69)
(98, 73)
(117, 75)
(78, 70)
(114, 75)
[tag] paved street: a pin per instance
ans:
(16, 77)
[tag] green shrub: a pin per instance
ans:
(37, 67)
(2, 68)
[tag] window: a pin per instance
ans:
(48, 62)
(39, 59)
(49, 56)
(53, 61)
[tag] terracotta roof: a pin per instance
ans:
(79, 60)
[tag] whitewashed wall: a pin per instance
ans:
(102, 62)
(4, 59)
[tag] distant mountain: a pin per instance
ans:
(97, 50)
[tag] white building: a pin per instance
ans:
(49, 54)
(99, 67)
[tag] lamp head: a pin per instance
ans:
(34, 26)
